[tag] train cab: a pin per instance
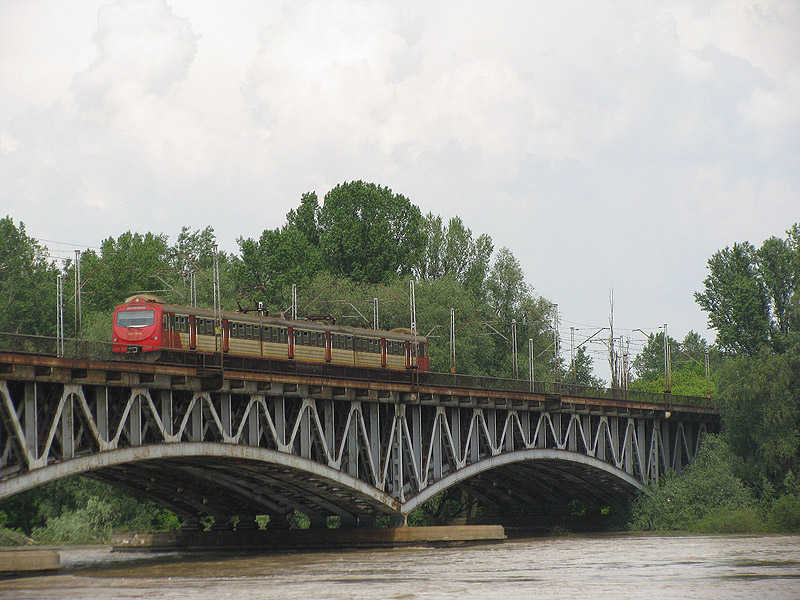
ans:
(137, 326)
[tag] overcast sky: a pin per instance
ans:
(607, 144)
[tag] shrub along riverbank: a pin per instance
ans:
(710, 498)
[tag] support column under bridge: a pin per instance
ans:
(245, 443)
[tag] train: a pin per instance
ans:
(147, 326)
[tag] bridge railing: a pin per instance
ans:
(49, 346)
(102, 351)
(560, 389)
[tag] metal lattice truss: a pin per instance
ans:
(324, 451)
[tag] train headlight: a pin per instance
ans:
(155, 337)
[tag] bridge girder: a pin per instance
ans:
(350, 449)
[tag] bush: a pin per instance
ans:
(708, 487)
(742, 520)
(78, 510)
(784, 515)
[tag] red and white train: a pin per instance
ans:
(145, 323)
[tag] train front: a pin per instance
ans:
(137, 326)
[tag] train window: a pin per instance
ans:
(136, 318)
(283, 335)
(421, 350)
(248, 331)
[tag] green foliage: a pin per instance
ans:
(368, 233)
(77, 510)
(281, 257)
(694, 500)
(760, 404)
(452, 251)
(687, 373)
(751, 295)
(131, 263)
(442, 509)
(582, 369)
(27, 283)
(784, 514)
(730, 521)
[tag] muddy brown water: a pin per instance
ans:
(584, 567)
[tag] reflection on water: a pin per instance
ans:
(594, 567)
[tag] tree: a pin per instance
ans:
(751, 296)
(453, 251)
(760, 404)
(281, 257)
(368, 233)
(583, 370)
(687, 371)
(695, 500)
(649, 363)
(131, 263)
(775, 265)
(27, 283)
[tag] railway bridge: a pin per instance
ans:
(228, 440)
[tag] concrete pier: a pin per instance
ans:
(28, 560)
(306, 538)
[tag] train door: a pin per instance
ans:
(192, 333)
(328, 351)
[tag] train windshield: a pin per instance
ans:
(136, 318)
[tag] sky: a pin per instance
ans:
(609, 145)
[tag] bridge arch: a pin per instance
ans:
(220, 480)
(551, 475)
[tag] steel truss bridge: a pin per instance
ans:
(355, 444)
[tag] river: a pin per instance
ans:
(595, 567)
